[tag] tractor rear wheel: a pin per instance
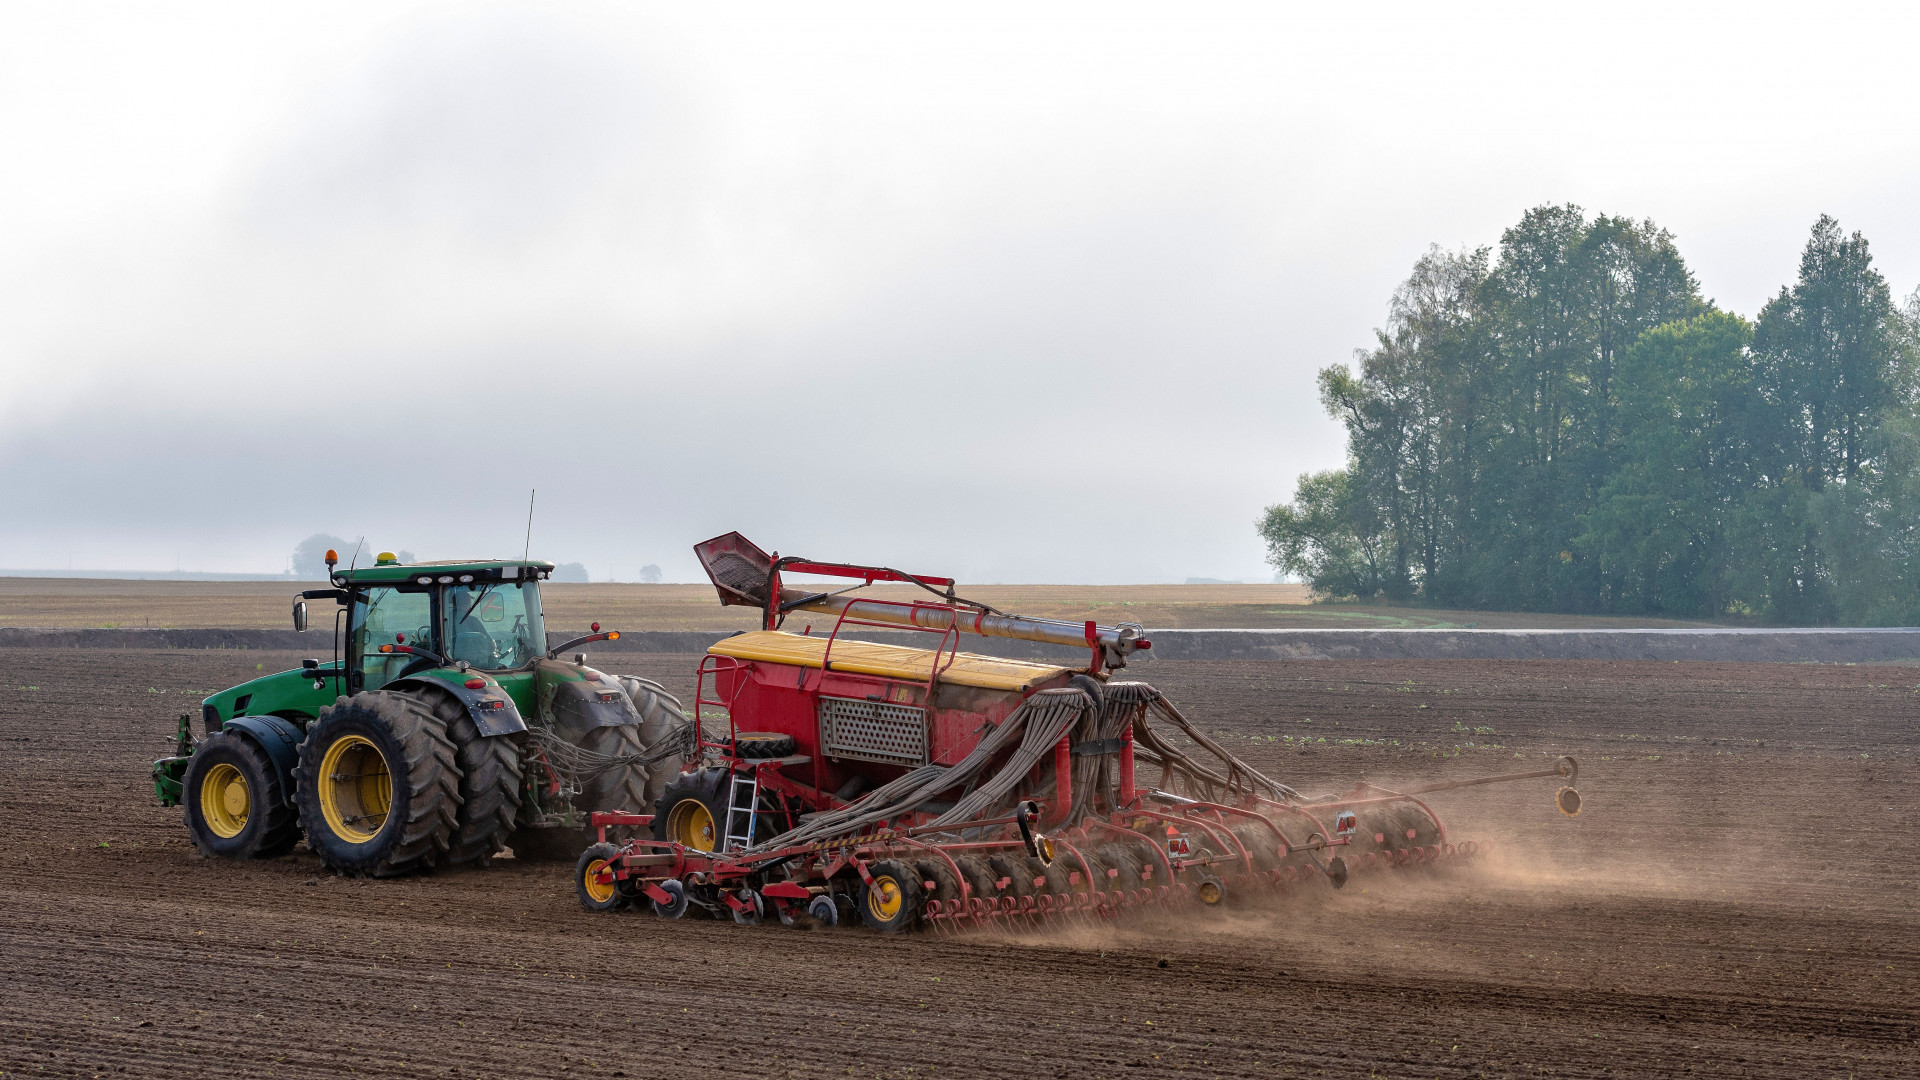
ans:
(235, 803)
(490, 779)
(692, 811)
(661, 718)
(378, 785)
(891, 901)
(623, 784)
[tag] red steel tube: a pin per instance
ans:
(1063, 778)
(1126, 767)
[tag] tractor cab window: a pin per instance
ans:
(493, 625)
(378, 617)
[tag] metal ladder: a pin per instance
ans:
(740, 836)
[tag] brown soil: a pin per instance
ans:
(1738, 899)
(185, 605)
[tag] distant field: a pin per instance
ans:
(95, 602)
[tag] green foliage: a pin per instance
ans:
(1566, 425)
(1327, 536)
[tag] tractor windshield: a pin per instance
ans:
(493, 625)
(385, 616)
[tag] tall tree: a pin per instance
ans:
(1692, 449)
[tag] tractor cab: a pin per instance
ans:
(483, 616)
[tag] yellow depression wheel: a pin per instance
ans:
(225, 801)
(356, 789)
(890, 899)
(885, 899)
(690, 824)
(597, 891)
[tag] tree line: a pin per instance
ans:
(1566, 425)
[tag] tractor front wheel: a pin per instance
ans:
(235, 803)
(378, 785)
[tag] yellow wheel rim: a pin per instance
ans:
(885, 898)
(225, 800)
(356, 790)
(1209, 892)
(596, 891)
(690, 825)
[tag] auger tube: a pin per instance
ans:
(1116, 641)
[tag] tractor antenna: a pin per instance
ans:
(355, 561)
(531, 492)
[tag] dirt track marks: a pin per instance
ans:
(1731, 910)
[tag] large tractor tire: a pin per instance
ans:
(490, 780)
(236, 806)
(378, 785)
(622, 786)
(693, 810)
(661, 717)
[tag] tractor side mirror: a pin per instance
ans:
(300, 616)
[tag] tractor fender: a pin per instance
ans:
(575, 699)
(493, 712)
(278, 739)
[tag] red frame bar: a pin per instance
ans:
(869, 574)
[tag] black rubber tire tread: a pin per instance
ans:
(596, 851)
(1261, 845)
(937, 870)
(426, 796)
(272, 828)
(980, 876)
(1094, 875)
(1056, 875)
(709, 787)
(491, 775)
(622, 788)
(660, 715)
(913, 902)
(1009, 866)
(1127, 863)
(763, 744)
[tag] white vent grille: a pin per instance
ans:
(873, 731)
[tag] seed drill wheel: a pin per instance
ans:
(378, 785)
(692, 809)
(596, 895)
(824, 911)
(235, 807)
(676, 907)
(891, 901)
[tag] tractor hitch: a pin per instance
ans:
(169, 773)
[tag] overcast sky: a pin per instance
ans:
(1034, 294)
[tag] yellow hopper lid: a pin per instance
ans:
(891, 661)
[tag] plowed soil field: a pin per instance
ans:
(1739, 898)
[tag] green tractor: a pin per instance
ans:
(443, 731)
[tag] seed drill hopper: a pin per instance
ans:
(930, 787)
